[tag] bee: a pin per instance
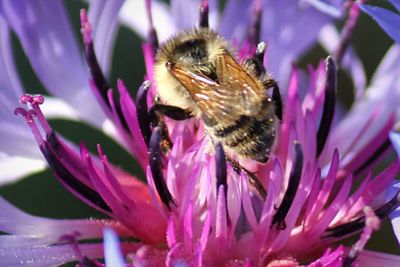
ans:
(197, 73)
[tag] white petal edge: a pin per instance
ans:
(112, 249)
(14, 168)
(133, 15)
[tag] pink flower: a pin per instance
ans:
(196, 208)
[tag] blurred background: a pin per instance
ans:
(40, 194)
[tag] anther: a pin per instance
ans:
(156, 168)
(372, 223)
(220, 161)
(294, 181)
(347, 32)
(260, 52)
(254, 36)
(203, 18)
(359, 223)
(83, 260)
(329, 104)
(28, 115)
(86, 28)
(142, 112)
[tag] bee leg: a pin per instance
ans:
(253, 180)
(173, 112)
(157, 111)
(276, 97)
(155, 153)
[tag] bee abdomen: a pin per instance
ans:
(249, 137)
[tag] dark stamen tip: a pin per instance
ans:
(358, 224)
(329, 104)
(142, 112)
(294, 181)
(203, 18)
(220, 161)
(255, 31)
(156, 168)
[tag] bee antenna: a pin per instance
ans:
(203, 18)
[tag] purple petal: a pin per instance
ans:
(330, 7)
(133, 14)
(377, 259)
(395, 3)
(46, 36)
(103, 15)
(39, 256)
(112, 249)
(388, 20)
(329, 39)
(283, 25)
(185, 13)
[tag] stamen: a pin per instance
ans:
(83, 260)
(260, 52)
(156, 168)
(254, 36)
(359, 223)
(277, 98)
(294, 181)
(35, 101)
(152, 35)
(221, 166)
(347, 32)
(96, 73)
(203, 18)
(91, 59)
(329, 104)
(372, 223)
(378, 152)
(48, 150)
(142, 111)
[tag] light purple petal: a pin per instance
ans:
(19, 139)
(333, 8)
(380, 100)
(40, 256)
(395, 216)
(395, 139)
(46, 36)
(185, 13)
(388, 20)
(16, 222)
(395, 3)
(103, 14)
(112, 249)
(369, 258)
(329, 39)
(283, 30)
(133, 14)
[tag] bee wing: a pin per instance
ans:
(235, 94)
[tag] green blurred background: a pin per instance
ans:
(40, 194)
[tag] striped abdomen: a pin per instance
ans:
(249, 136)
